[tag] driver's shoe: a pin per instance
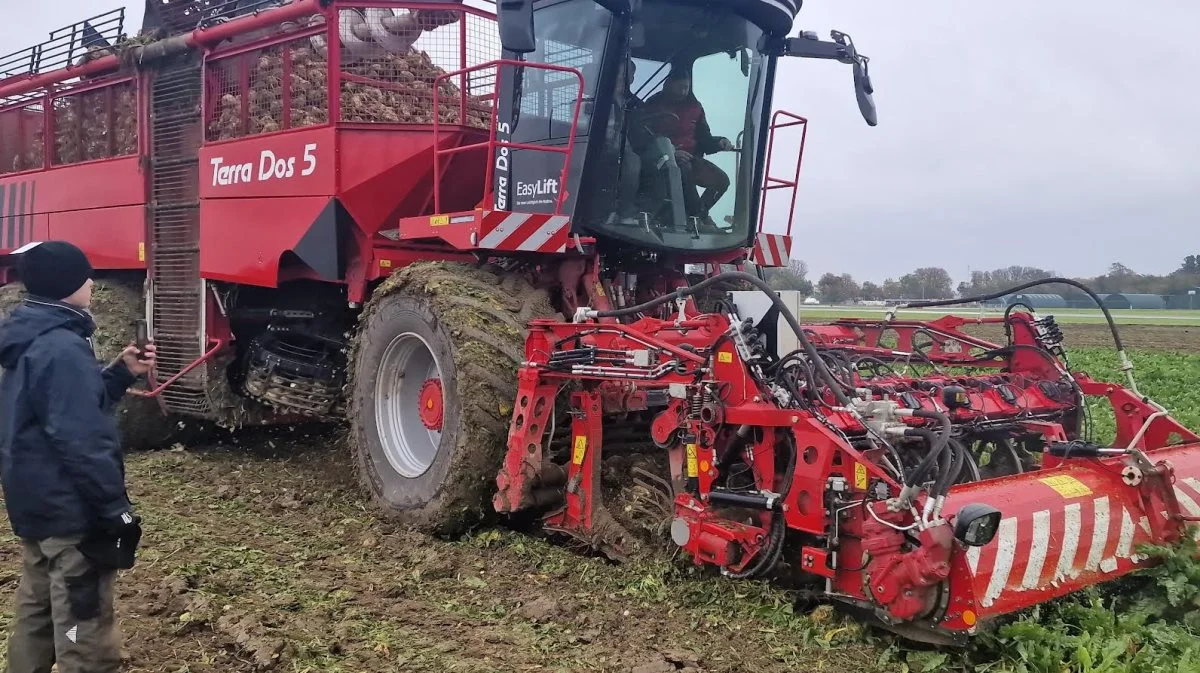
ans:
(707, 225)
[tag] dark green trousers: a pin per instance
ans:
(64, 612)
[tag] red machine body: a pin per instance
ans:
(821, 493)
(412, 190)
(262, 191)
(247, 153)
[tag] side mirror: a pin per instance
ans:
(515, 19)
(975, 525)
(862, 78)
(841, 49)
(863, 91)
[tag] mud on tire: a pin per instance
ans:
(471, 323)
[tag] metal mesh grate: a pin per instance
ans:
(392, 57)
(279, 87)
(96, 124)
(177, 290)
(22, 139)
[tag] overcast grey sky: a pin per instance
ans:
(1056, 134)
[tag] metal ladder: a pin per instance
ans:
(176, 289)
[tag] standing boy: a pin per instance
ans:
(61, 468)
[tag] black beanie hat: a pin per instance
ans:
(53, 269)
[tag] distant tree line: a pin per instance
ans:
(935, 283)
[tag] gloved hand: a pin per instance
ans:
(114, 541)
(121, 525)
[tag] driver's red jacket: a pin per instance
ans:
(690, 133)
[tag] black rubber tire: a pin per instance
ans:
(475, 322)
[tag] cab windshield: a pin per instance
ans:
(683, 136)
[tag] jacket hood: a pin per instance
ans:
(35, 317)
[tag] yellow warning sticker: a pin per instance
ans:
(439, 220)
(599, 290)
(580, 449)
(860, 476)
(724, 356)
(693, 468)
(385, 263)
(142, 251)
(1067, 486)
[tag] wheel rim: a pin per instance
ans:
(407, 367)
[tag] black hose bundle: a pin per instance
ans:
(937, 443)
(770, 554)
(814, 356)
(1112, 325)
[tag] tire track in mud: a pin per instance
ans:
(276, 562)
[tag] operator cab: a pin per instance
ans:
(670, 139)
(683, 173)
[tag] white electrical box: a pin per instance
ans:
(754, 304)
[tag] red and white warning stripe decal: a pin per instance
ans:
(524, 232)
(772, 250)
(1050, 547)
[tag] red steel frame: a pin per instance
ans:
(1072, 523)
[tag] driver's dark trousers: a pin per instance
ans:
(64, 612)
(703, 173)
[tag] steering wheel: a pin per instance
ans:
(644, 118)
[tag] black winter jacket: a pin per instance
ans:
(60, 456)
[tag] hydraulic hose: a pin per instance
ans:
(770, 555)
(937, 442)
(822, 370)
(959, 451)
(1112, 325)
(932, 441)
(946, 465)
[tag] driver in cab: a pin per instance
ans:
(687, 128)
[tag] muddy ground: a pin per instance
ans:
(271, 559)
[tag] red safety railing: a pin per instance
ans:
(491, 143)
(771, 183)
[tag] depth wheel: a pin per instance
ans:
(433, 382)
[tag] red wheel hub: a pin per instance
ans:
(431, 404)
